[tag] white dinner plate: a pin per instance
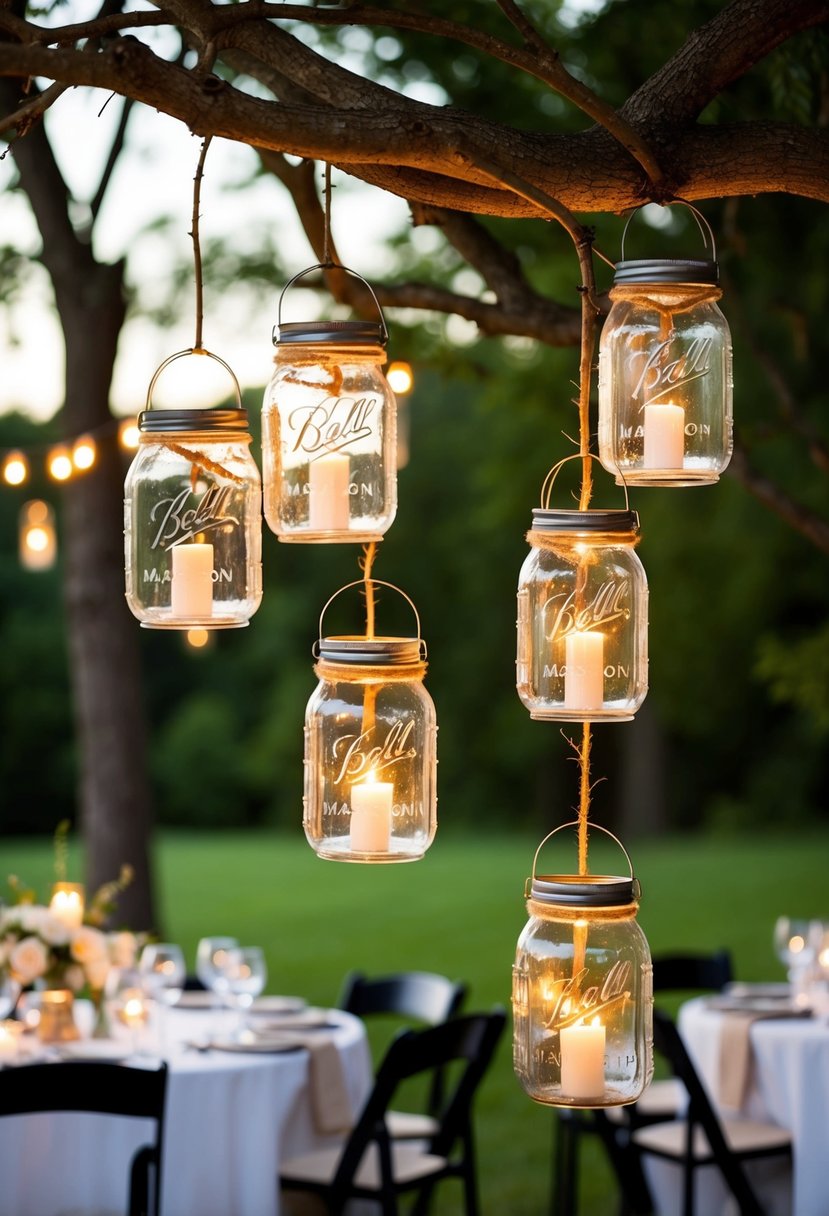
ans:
(258, 1046)
(195, 999)
(756, 1004)
(95, 1050)
(278, 1004)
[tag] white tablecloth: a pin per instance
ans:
(230, 1119)
(789, 1085)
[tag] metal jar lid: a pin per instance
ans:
(332, 333)
(153, 421)
(376, 652)
(545, 520)
(667, 270)
(584, 891)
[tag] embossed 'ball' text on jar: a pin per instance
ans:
(329, 437)
(370, 751)
(665, 374)
(582, 992)
(193, 521)
(582, 651)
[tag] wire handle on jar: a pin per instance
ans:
(331, 266)
(574, 823)
(549, 480)
(702, 223)
(183, 354)
(374, 582)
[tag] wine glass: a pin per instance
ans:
(245, 972)
(9, 992)
(794, 943)
(162, 966)
(211, 956)
(127, 1001)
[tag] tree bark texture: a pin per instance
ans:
(113, 789)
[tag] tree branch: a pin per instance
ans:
(33, 110)
(115, 150)
(798, 517)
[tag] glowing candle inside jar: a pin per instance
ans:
(66, 904)
(191, 591)
(133, 1011)
(328, 484)
(664, 436)
(584, 670)
(8, 1039)
(371, 806)
(582, 1061)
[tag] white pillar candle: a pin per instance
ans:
(66, 904)
(328, 485)
(582, 1061)
(8, 1040)
(664, 436)
(191, 591)
(371, 806)
(584, 670)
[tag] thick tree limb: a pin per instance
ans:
(798, 517)
(416, 150)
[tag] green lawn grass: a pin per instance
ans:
(460, 912)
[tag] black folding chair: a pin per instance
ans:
(417, 996)
(700, 1138)
(369, 1165)
(108, 1089)
(680, 973)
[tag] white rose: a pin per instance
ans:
(74, 977)
(87, 944)
(28, 960)
(97, 970)
(53, 930)
(122, 947)
(30, 916)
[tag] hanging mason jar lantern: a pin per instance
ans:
(582, 990)
(582, 615)
(329, 431)
(370, 747)
(665, 382)
(193, 530)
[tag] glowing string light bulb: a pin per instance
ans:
(84, 453)
(15, 469)
(59, 464)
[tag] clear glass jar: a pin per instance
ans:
(370, 751)
(582, 617)
(193, 521)
(582, 992)
(665, 378)
(329, 435)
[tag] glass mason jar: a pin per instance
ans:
(665, 381)
(582, 617)
(193, 523)
(582, 992)
(329, 436)
(370, 751)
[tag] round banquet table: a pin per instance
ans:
(230, 1118)
(788, 1084)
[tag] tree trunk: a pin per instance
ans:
(113, 788)
(114, 794)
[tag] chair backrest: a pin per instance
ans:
(471, 1039)
(98, 1088)
(687, 972)
(420, 995)
(700, 1113)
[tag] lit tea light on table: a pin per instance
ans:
(9, 1039)
(67, 903)
(371, 808)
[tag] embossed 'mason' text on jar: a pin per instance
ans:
(329, 434)
(582, 617)
(193, 521)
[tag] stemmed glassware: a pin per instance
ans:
(9, 993)
(127, 1002)
(797, 942)
(162, 967)
(245, 972)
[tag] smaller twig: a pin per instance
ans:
(114, 153)
(197, 181)
(28, 114)
(326, 226)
